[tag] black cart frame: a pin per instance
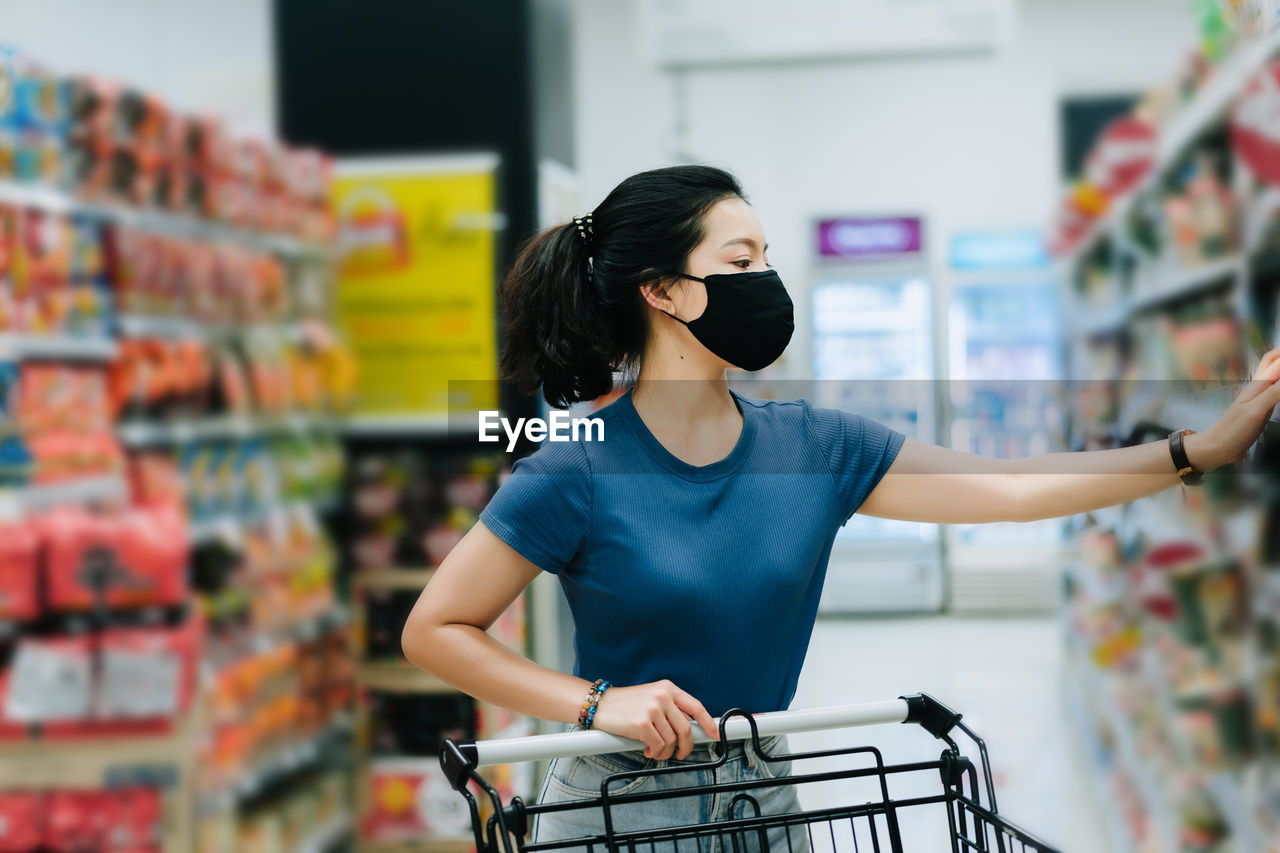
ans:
(964, 791)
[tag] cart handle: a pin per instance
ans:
(931, 714)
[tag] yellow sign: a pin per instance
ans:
(416, 287)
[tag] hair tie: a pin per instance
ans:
(583, 224)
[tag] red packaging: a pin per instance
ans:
(10, 730)
(19, 567)
(21, 821)
(132, 818)
(74, 821)
(155, 478)
(147, 548)
(410, 802)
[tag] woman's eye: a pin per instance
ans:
(743, 264)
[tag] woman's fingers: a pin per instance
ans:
(653, 741)
(694, 708)
(684, 731)
(1269, 398)
(1268, 373)
(668, 735)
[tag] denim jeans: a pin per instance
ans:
(577, 779)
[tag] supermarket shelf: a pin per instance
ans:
(57, 347)
(1227, 793)
(319, 625)
(327, 836)
(40, 763)
(1189, 413)
(391, 578)
(229, 527)
(14, 503)
(276, 767)
(1100, 758)
(1155, 800)
(179, 225)
(429, 845)
(156, 326)
(1209, 104)
(369, 426)
(1187, 282)
(134, 325)
(1217, 96)
(1110, 322)
(137, 434)
(1176, 284)
(399, 678)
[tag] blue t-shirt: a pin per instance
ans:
(705, 575)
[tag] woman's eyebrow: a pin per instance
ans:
(752, 243)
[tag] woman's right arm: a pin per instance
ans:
(445, 635)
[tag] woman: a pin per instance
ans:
(693, 540)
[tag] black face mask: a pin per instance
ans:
(748, 320)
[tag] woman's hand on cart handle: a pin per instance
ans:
(658, 715)
(1239, 427)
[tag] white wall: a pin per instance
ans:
(969, 141)
(211, 56)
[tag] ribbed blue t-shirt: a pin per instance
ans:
(705, 575)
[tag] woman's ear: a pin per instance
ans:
(658, 294)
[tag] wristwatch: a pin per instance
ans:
(1187, 473)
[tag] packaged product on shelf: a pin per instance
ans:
(128, 819)
(41, 271)
(19, 573)
(408, 724)
(384, 615)
(410, 800)
(90, 137)
(15, 457)
(22, 817)
(231, 389)
(411, 508)
(442, 537)
(49, 679)
(1217, 721)
(1121, 157)
(134, 558)
(33, 112)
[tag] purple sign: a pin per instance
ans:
(867, 238)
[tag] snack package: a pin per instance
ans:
(33, 114)
(75, 820)
(19, 573)
(411, 800)
(141, 552)
(22, 818)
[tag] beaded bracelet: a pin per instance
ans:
(588, 712)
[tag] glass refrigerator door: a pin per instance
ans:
(1005, 367)
(873, 355)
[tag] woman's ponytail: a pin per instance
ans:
(572, 305)
(555, 335)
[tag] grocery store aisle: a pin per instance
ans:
(1003, 674)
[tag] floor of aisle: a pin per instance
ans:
(1004, 675)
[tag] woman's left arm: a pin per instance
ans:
(934, 484)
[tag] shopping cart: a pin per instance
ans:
(951, 784)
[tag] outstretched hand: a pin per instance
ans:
(1239, 427)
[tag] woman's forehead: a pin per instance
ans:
(733, 220)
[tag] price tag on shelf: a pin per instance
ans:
(50, 681)
(139, 684)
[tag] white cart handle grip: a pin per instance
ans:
(922, 709)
